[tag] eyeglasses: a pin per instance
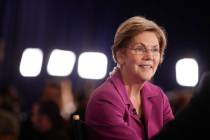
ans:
(141, 50)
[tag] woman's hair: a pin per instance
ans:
(132, 27)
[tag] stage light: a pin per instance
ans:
(61, 62)
(31, 62)
(187, 72)
(92, 65)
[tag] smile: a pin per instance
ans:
(145, 66)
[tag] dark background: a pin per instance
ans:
(90, 25)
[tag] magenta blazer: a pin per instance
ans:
(110, 114)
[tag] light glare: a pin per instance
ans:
(31, 62)
(92, 65)
(187, 72)
(61, 63)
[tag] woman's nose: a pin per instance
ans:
(148, 54)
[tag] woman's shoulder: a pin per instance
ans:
(154, 89)
(106, 92)
(105, 86)
(106, 89)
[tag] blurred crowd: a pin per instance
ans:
(50, 117)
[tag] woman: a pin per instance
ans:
(127, 106)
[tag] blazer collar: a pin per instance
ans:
(148, 96)
(147, 91)
(118, 83)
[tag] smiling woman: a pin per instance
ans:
(138, 60)
(127, 106)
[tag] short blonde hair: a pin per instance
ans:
(133, 26)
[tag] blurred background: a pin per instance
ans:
(89, 26)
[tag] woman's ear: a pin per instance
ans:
(120, 55)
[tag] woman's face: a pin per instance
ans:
(141, 58)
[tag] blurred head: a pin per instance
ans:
(49, 116)
(9, 126)
(52, 92)
(35, 116)
(139, 46)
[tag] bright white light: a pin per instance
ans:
(31, 62)
(187, 72)
(92, 65)
(61, 63)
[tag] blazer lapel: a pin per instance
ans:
(147, 96)
(148, 99)
(119, 85)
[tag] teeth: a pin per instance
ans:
(146, 66)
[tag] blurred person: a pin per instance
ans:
(82, 96)
(46, 123)
(193, 122)
(30, 126)
(9, 126)
(179, 99)
(51, 124)
(72, 125)
(52, 92)
(10, 100)
(127, 106)
(62, 94)
(68, 99)
(81, 99)
(35, 116)
(76, 127)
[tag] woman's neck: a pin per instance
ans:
(133, 88)
(133, 85)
